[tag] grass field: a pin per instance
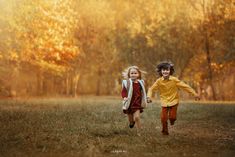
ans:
(96, 127)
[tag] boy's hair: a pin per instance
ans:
(165, 65)
(126, 72)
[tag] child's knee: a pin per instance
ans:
(172, 121)
(172, 118)
(137, 118)
(164, 118)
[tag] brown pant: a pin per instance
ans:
(168, 113)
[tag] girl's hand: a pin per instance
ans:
(149, 100)
(125, 99)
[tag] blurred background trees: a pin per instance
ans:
(72, 48)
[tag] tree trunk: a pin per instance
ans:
(207, 47)
(67, 84)
(208, 57)
(98, 82)
(14, 78)
(76, 79)
(39, 83)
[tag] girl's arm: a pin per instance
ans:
(124, 92)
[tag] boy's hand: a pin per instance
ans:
(197, 97)
(149, 100)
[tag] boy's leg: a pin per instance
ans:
(137, 119)
(172, 114)
(164, 118)
(131, 120)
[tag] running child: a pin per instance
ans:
(168, 87)
(134, 96)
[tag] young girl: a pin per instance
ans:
(134, 96)
(168, 86)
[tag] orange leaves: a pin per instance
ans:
(1, 56)
(13, 56)
(46, 35)
(50, 67)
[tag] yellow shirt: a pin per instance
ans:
(168, 90)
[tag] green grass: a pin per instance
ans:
(93, 126)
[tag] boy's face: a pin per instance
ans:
(134, 74)
(166, 72)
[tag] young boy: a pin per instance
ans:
(167, 86)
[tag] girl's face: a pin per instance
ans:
(134, 74)
(166, 72)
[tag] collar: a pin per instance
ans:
(170, 78)
(138, 80)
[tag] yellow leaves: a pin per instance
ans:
(150, 41)
(53, 68)
(54, 31)
(216, 67)
(57, 56)
(42, 32)
(96, 14)
(13, 56)
(230, 13)
(135, 27)
(1, 56)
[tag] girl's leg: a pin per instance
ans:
(172, 114)
(164, 118)
(131, 120)
(137, 119)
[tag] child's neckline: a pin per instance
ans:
(136, 81)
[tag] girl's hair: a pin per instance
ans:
(126, 72)
(165, 65)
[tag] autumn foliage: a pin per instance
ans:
(69, 47)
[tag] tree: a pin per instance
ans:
(43, 36)
(212, 20)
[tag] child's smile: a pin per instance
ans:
(134, 74)
(165, 73)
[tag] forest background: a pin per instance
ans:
(70, 48)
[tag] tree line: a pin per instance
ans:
(71, 48)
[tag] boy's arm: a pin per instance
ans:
(186, 87)
(154, 87)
